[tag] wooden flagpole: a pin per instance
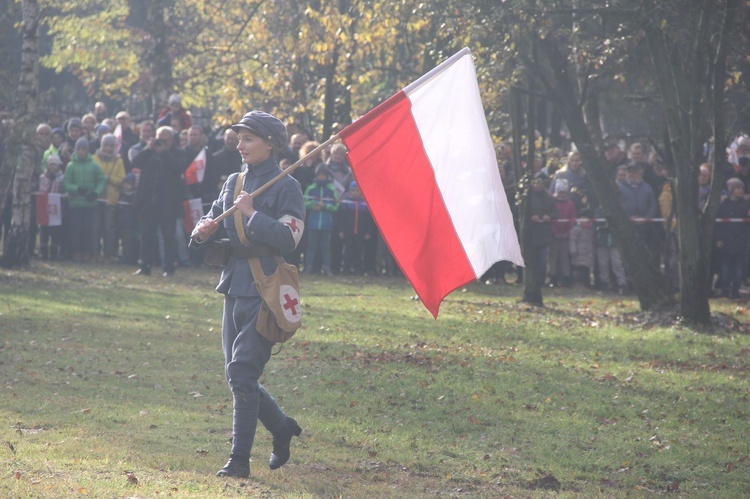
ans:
(278, 177)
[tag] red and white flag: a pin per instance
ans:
(426, 165)
(48, 209)
(118, 135)
(196, 170)
(192, 213)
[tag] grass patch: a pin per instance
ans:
(113, 385)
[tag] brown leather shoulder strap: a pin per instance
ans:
(238, 225)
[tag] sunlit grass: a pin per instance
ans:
(112, 385)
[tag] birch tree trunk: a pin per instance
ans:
(16, 245)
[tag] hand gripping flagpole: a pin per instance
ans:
(263, 188)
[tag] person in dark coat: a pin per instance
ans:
(732, 238)
(158, 200)
(262, 228)
(221, 164)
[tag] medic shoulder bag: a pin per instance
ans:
(281, 312)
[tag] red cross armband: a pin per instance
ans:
(296, 225)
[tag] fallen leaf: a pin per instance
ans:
(131, 477)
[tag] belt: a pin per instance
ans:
(252, 251)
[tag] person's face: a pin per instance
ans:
(53, 168)
(57, 140)
(44, 137)
(338, 155)
(176, 124)
(82, 152)
(74, 133)
(89, 123)
(622, 175)
(612, 153)
(537, 185)
(108, 149)
(147, 133)
(636, 154)
(252, 148)
(703, 176)
(562, 195)
(574, 162)
(634, 175)
(167, 138)
(737, 193)
(298, 141)
(231, 140)
(123, 121)
(355, 193)
(195, 138)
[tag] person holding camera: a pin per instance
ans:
(158, 199)
(261, 229)
(84, 182)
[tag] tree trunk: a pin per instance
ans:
(330, 92)
(156, 56)
(16, 246)
(684, 93)
(648, 282)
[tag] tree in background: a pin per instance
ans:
(15, 244)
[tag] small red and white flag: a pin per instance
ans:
(118, 135)
(48, 209)
(192, 213)
(197, 169)
(426, 165)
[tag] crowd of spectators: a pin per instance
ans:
(573, 244)
(123, 190)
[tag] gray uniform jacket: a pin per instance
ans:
(278, 223)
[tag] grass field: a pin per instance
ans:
(113, 386)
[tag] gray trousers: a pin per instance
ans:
(246, 354)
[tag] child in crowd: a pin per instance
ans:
(51, 182)
(582, 251)
(559, 258)
(127, 221)
(355, 226)
(732, 238)
(321, 201)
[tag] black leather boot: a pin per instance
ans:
(281, 452)
(235, 467)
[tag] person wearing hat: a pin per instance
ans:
(51, 182)
(732, 238)
(273, 224)
(174, 114)
(84, 182)
(321, 201)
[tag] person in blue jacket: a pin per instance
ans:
(272, 224)
(321, 201)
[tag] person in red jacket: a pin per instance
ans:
(559, 258)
